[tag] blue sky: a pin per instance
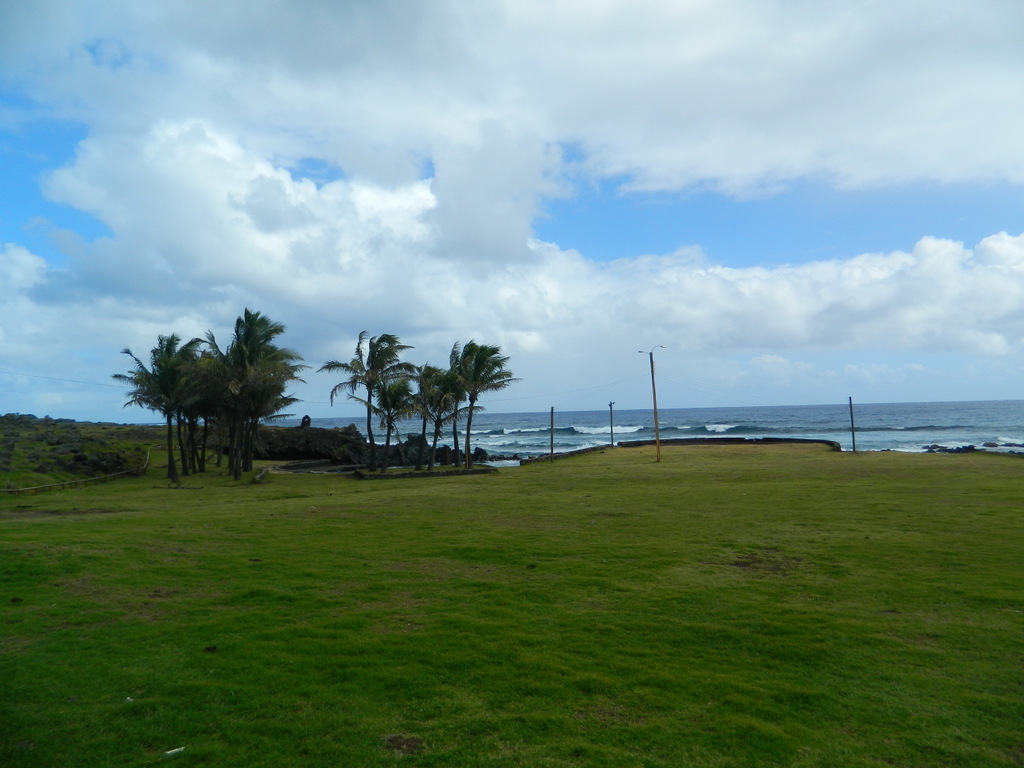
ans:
(807, 221)
(28, 217)
(801, 204)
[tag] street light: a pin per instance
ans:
(654, 396)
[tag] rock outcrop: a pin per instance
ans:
(344, 445)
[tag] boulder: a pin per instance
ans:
(344, 445)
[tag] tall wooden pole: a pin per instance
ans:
(853, 430)
(654, 397)
(611, 421)
(551, 454)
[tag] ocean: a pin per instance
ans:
(914, 427)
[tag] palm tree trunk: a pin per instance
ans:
(422, 448)
(401, 448)
(369, 432)
(243, 448)
(455, 443)
(469, 425)
(433, 447)
(249, 446)
(201, 447)
(181, 447)
(387, 449)
(235, 457)
(230, 452)
(172, 468)
(221, 429)
(192, 443)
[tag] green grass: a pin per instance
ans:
(730, 606)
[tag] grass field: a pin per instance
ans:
(729, 606)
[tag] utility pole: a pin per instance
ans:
(611, 421)
(654, 397)
(853, 429)
(551, 454)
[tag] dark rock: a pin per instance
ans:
(935, 448)
(341, 446)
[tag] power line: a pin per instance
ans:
(740, 394)
(579, 392)
(69, 381)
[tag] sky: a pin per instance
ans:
(787, 201)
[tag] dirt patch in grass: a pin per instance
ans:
(609, 715)
(404, 745)
(769, 562)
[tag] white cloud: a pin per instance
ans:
(736, 94)
(447, 124)
(19, 270)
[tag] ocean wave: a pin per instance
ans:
(712, 428)
(916, 428)
(1012, 441)
(607, 430)
(571, 430)
(539, 430)
(730, 429)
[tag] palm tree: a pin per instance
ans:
(207, 394)
(162, 387)
(376, 360)
(482, 369)
(453, 382)
(256, 373)
(436, 403)
(451, 396)
(426, 383)
(394, 403)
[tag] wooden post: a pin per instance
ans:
(551, 454)
(654, 396)
(853, 430)
(611, 422)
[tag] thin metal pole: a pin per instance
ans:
(611, 421)
(853, 429)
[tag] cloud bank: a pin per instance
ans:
(381, 166)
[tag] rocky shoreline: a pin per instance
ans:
(45, 446)
(346, 449)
